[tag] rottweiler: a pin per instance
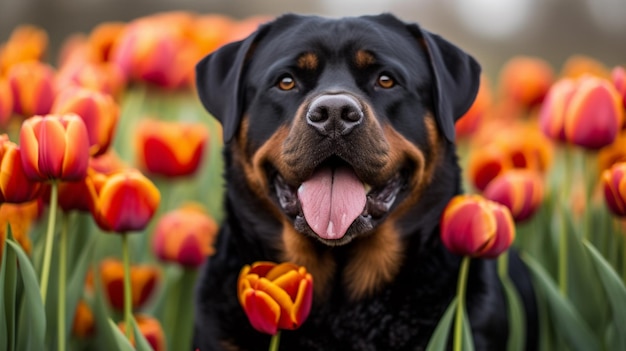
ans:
(340, 156)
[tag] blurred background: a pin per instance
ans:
(491, 30)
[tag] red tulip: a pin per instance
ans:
(124, 201)
(275, 296)
(54, 147)
(98, 110)
(526, 80)
(171, 149)
(84, 324)
(6, 102)
(185, 236)
(32, 85)
(618, 76)
(614, 185)
(476, 227)
(520, 190)
(21, 217)
(151, 329)
(15, 187)
(143, 279)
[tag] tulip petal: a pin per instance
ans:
(262, 311)
(29, 148)
(304, 299)
(52, 145)
(76, 156)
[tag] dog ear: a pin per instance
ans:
(218, 81)
(457, 78)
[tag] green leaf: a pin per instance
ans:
(76, 282)
(32, 331)
(120, 339)
(567, 320)
(439, 340)
(105, 337)
(615, 291)
(10, 300)
(4, 322)
(179, 310)
(468, 340)
(140, 341)
(517, 317)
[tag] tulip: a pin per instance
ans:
(6, 102)
(614, 186)
(15, 187)
(520, 190)
(103, 77)
(526, 80)
(144, 279)
(151, 329)
(21, 217)
(577, 66)
(613, 153)
(98, 110)
(275, 296)
(83, 325)
(471, 120)
(587, 112)
(32, 85)
(102, 39)
(618, 76)
(210, 31)
(54, 147)
(26, 43)
(185, 236)
(107, 163)
(486, 163)
(124, 201)
(476, 227)
(170, 149)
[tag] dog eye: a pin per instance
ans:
(286, 82)
(385, 81)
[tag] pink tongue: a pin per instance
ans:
(331, 200)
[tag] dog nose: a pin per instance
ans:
(334, 114)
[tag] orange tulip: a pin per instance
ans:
(32, 84)
(587, 112)
(26, 43)
(613, 153)
(54, 147)
(275, 296)
(6, 102)
(474, 226)
(185, 236)
(471, 120)
(98, 110)
(520, 190)
(618, 76)
(102, 39)
(15, 187)
(21, 217)
(84, 324)
(579, 65)
(170, 149)
(103, 77)
(143, 279)
(107, 163)
(151, 329)
(210, 31)
(124, 201)
(614, 185)
(525, 80)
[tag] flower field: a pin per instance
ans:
(111, 192)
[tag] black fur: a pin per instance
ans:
(237, 82)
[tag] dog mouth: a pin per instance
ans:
(334, 205)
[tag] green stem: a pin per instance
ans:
(275, 341)
(621, 236)
(563, 244)
(47, 257)
(128, 303)
(460, 306)
(503, 264)
(62, 282)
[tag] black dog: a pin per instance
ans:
(340, 157)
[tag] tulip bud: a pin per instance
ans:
(32, 85)
(151, 329)
(526, 80)
(275, 296)
(520, 190)
(124, 201)
(185, 236)
(476, 227)
(614, 185)
(98, 110)
(15, 187)
(171, 149)
(6, 102)
(143, 279)
(54, 147)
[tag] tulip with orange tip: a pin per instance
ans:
(614, 186)
(15, 187)
(102, 39)
(525, 80)
(520, 190)
(84, 324)
(103, 77)
(210, 31)
(33, 88)
(6, 102)
(26, 43)
(170, 149)
(54, 147)
(275, 296)
(98, 110)
(613, 153)
(587, 112)
(108, 163)
(185, 236)
(471, 120)
(476, 227)
(486, 163)
(124, 201)
(618, 76)
(151, 330)
(144, 279)
(21, 217)
(577, 66)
